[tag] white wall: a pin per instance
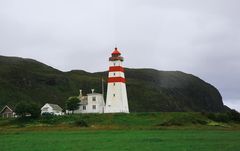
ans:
(48, 109)
(99, 103)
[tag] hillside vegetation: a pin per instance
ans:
(148, 90)
(146, 121)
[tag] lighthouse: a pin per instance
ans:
(117, 101)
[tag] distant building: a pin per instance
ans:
(7, 112)
(53, 109)
(92, 103)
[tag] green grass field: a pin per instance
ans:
(133, 140)
(116, 132)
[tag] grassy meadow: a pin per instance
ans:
(135, 131)
(121, 140)
(146, 121)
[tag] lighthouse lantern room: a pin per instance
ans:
(116, 101)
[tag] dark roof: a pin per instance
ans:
(56, 107)
(6, 106)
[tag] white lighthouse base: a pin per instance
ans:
(117, 101)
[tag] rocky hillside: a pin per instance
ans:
(148, 90)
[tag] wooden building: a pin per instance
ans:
(7, 112)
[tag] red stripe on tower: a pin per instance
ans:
(116, 68)
(116, 79)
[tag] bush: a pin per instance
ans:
(49, 119)
(234, 115)
(211, 116)
(81, 123)
(183, 120)
(47, 114)
(231, 116)
(171, 122)
(218, 117)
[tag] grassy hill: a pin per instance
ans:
(134, 121)
(148, 90)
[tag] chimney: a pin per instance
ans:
(80, 93)
(92, 90)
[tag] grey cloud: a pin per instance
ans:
(198, 37)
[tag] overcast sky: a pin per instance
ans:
(201, 37)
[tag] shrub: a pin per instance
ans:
(183, 120)
(47, 114)
(49, 119)
(234, 115)
(81, 123)
(218, 117)
(171, 122)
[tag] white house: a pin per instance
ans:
(92, 103)
(52, 109)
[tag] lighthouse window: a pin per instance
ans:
(94, 98)
(94, 107)
(114, 73)
(114, 95)
(84, 107)
(114, 64)
(113, 84)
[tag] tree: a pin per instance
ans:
(34, 110)
(21, 109)
(234, 115)
(72, 104)
(27, 108)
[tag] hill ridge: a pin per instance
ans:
(149, 90)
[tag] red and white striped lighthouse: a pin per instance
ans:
(117, 101)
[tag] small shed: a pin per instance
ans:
(7, 112)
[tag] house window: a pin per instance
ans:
(113, 84)
(84, 107)
(94, 98)
(114, 73)
(94, 107)
(114, 64)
